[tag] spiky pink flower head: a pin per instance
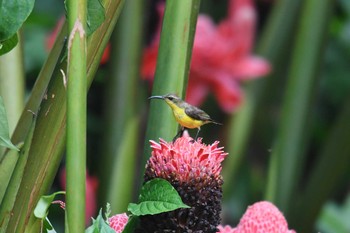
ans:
(261, 217)
(186, 159)
(118, 222)
(193, 168)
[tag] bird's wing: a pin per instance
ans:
(197, 113)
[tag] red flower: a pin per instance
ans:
(221, 56)
(118, 222)
(261, 217)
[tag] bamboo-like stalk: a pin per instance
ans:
(76, 117)
(123, 110)
(8, 202)
(330, 171)
(24, 126)
(287, 154)
(49, 136)
(174, 57)
(270, 46)
(12, 84)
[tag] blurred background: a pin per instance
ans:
(274, 72)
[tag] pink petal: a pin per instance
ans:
(250, 68)
(149, 61)
(228, 93)
(204, 33)
(196, 92)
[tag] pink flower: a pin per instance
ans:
(221, 57)
(118, 222)
(186, 159)
(261, 217)
(193, 169)
(91, 193)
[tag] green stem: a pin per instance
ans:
(12, 84)
(9, 161)
(286, 158)
(76, 117)
(329, 172)
(122, 109)
(271, 45)
(16, 178)
(12, 89)
(175, 50)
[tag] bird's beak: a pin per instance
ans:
(156, 97)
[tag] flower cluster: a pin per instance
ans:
(185, 159)
(193, 169)
(261, 217)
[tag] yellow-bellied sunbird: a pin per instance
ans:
(188, 116)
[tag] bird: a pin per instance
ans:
(187, 115)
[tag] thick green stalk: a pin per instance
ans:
(76, 116)
(16, 178)
(173, 63)
(328, 174)
(8, 162)
(274, 39)
(49, 137)
(123, 111)
(12, 84)
(12, 92)
(287, 154)
(122, 176)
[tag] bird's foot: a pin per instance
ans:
(179, 134)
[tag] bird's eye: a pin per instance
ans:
(170, 97)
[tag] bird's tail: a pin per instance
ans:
(215, 122)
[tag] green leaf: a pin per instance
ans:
(334, 217)
(99, 225)
(157, 196)
(95, 15)
(7, 45)
(132, 224)
(13, 13)
(4, 128)
(44, 203)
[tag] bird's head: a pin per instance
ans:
(169, 98)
